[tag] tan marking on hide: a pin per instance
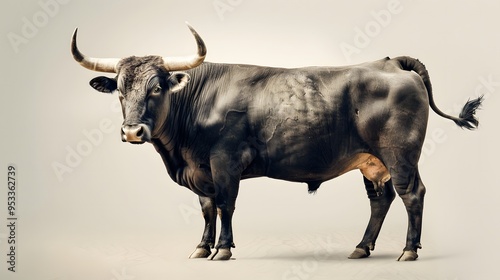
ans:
(371, 167)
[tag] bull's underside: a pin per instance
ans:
(216, 124)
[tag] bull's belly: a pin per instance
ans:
(315, 170)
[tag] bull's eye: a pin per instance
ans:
(157, 90)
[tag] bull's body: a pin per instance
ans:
(216, 124)
(304, 125)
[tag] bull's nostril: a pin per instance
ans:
(140, 131)
(135, 133)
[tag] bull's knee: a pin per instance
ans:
(413, 195)
(411, 185)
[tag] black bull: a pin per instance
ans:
(216, 124)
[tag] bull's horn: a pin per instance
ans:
(95, 64)
(188, 62)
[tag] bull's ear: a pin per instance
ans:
(103, 84)
(178, 80)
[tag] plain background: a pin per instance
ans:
(115, 214)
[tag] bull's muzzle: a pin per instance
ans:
(136, 133)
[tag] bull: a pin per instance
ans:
(215, 124)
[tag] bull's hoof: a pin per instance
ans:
(222, 254)
(408, 256)
(359, 253)
(200, 253)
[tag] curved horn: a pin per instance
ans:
(187, 62)
(95, 64)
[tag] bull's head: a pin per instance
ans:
(143, 84)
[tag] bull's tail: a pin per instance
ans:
(466, 119)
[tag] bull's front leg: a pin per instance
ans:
(208, 239)
(225, 207)
(226, 173)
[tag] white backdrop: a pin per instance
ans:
(92, 207)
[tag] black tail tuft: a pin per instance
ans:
(467, 118)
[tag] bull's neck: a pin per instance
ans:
(179, 130)
(185, 106)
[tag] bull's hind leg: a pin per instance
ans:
(380, 204)
(412, 193)
(402, 164)
(208, 239)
